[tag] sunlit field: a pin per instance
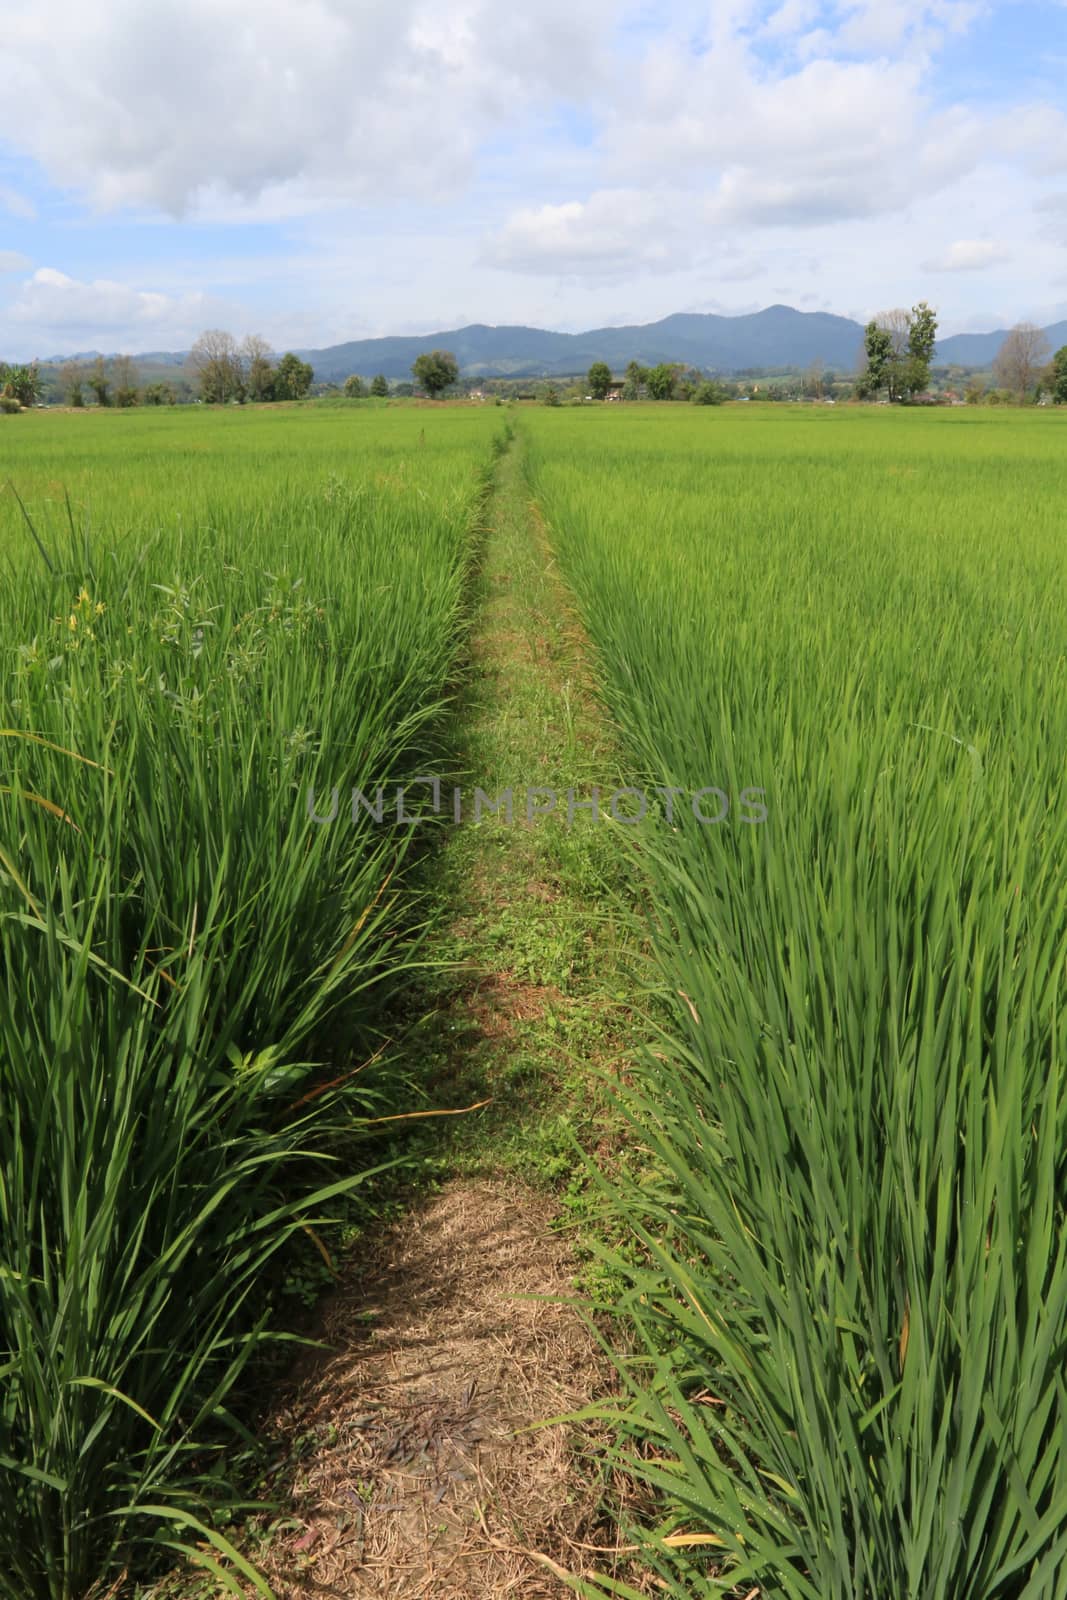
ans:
(853, 1282)
(201, 617)
(844, 1317)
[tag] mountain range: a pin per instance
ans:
(778, 337)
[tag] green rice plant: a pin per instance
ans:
(184, 949)
(850, 1302)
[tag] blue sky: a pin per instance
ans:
(317, 170)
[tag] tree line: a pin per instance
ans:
(1023, 366)
(665, 381)
(898, 352)
(434, 371)
(219, 368)
(111, 383)
(228, 371)
(355, 388)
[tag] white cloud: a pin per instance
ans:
(52, 299)
(867, 26)
(617, 233)
(158, 106)
(459, 156)
(717, 143)
(610, 235)
(1054, 207)
(969, 255)
(13, 261)
(740, 271)
(1035, 136)
(790, 17)
(52, 306)
(229, 108)
(827, 141)
(834, 127)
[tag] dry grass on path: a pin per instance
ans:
(425, 1476)
(417, 1466)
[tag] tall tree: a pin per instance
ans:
(878, 353)
(72, 383)
(293, 378)
(599, 380)
(435, 370)
(1020, 360)
(1058, 377)
(100, 383)
(661, 380)
(21, 383)
(354, 388)
(813, 380)
(215, 361)
(922, 335)
(379, 386)
(688, 381)
(899, 346)
(126, 381)
(634, 378)
(256, 356)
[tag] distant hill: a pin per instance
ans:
(980, 349)
(145, 358)
(779, 337)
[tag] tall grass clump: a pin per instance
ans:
(184, 950)
(848, 1296)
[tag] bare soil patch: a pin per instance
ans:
(499, 1000)
(424, 1474)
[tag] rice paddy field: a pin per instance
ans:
(843, 1322)
(853, 1281)
(210, 616)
